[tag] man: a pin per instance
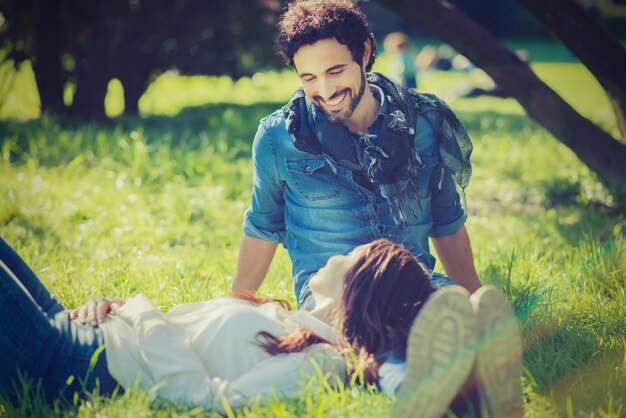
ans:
(354, 157)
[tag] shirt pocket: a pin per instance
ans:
(425, 166)
(313, 178)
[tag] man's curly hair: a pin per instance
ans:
(308, 21)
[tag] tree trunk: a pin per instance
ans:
(47, 55)
(92, 70)
(134, 78)
(132, 93)
(600, 52)
(595, 148)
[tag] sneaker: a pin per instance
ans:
(499, 354)
(440, 354)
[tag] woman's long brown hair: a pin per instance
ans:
(292, 343)
(382, 294)
(252, 298)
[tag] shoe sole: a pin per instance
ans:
(440, 355)
(499, 354)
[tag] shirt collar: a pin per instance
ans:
(379, 95)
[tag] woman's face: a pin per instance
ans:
(328, 281)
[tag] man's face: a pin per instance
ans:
(331, 78)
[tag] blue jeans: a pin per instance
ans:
(38, 341)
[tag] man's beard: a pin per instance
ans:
(344, 115)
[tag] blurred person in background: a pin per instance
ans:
(402, 67)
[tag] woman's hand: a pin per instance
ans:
(95, 311)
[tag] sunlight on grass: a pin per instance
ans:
(114, 100)
(577, 86)
(20, 98)
(170, 93)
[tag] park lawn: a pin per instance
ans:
(155, 204)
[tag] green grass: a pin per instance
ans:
(155, 204)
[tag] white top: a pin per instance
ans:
(200, 353)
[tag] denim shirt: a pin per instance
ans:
(315, 208)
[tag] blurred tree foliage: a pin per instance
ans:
(502, 18)
(89, 42)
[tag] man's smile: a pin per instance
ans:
(337, 101)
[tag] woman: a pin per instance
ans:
(195, 354)
(233, 349)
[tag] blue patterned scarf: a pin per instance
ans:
(388, 160)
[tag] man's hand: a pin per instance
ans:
(95, 311)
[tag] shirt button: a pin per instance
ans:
(308, 169)
(370, 198)
(372, 222)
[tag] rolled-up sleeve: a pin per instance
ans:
(265, 217)
(447, 212)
